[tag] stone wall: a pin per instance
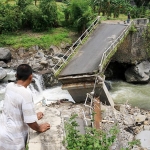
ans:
(132, 48)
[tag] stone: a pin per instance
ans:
(3, 73)
(138, 73)
(128, 120)
(54, 50)
(140, 118)
(5, 54)
(21, 51)
(3, 64)
(34, 48)
(44, 63)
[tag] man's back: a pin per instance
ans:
(17, 110)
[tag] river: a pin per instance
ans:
(134, 94)
(121, 92)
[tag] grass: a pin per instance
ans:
(27, 39)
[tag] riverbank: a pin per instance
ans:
(128, 120)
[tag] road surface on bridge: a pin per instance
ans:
(88, 57)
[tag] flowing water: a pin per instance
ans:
(37, 88)
(134, 94)
(121, 92)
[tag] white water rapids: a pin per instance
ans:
(39, 93)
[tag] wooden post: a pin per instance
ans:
(97, 113)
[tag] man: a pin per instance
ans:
(18, 112)
(128, 20)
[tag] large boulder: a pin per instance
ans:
(54, 50)
(139, 73)
(5, 54)
(3, 64)
(3, 73)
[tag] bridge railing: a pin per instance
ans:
(63, 60)
(112, 46)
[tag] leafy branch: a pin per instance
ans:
(93, 139)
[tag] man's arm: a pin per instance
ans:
(39, 128)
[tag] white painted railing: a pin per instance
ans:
(105, 54)
(75, 45)
(113, 45)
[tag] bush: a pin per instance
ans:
(33, 18)
(23, 3)
(49, 11)
(10, 18)
(94, 139)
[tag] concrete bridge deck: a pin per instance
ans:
(88, 57)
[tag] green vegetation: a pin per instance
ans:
(147, 39)
(27, 147)
(133, 29)
(45, 15)
(94, 139)
(131, 144)
(28, 39)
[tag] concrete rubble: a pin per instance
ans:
(55, 114)
(129, 121)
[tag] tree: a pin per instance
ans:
(140, 3)
(109, 7)
(80, 13)
(49, 11)
(33, 18)
(10, 18)
(23, 3)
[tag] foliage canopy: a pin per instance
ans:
(40, 15)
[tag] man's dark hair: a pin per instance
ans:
(23, 72)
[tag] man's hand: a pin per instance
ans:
(40, 115)
(39, 128)
(44, 127)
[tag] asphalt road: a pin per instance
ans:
(89, 55)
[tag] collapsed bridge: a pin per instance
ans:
(84, 71)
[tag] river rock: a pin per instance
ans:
(3, 64)
(37, 67)
(34, 48)
(21, 51)
(54, 49)
(138, 73)
(3, 73)
(44, 63)
(64, 45)
(5, 54)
